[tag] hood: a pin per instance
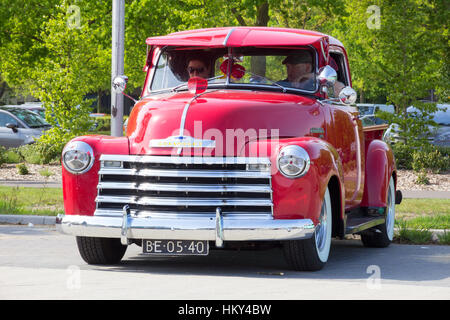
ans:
(230, 118)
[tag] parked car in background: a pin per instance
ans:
(368, 112)
(19, 126)
(437, 135)
(35, 107)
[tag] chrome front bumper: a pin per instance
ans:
(219, 228)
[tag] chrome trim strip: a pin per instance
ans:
(124, 232)
(227, 37)
(183, 117)
(179, 201)
(176, 187)
(119, 172)
(365, 225)
(186, 173)
(187, 229)
(184, 160)
(183, 215)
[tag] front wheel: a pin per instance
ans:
(312, 254)
(381, 236)
(101, 250)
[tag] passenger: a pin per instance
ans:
(199, 68)
(338, 86)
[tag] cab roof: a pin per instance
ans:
(242, 37)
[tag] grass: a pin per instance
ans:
(444, 238)
(424, 213)
(423, 207)
(31, 201)
(415, 218)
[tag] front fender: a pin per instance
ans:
(80, 190)
(301, 198)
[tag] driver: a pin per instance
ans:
(198, 68)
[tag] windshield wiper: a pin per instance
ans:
(267, 79)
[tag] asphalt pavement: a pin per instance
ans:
(40, 263)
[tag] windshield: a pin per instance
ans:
(264, 68)
(31, 119)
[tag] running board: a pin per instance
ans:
(364, 219)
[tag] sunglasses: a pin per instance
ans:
(198, 70)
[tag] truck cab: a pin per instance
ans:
(242, 135)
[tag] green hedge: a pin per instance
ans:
(426, 157)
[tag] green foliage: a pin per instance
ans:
(424, 157)
(22, 169)
(403, 155)
(2, 155)
(10, 155)
(430, 157)
(411, 236)
(422, 178)
(58, 51)
(444, 238)
(103, 123)
(45, 173)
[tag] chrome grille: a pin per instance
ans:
(166, 186)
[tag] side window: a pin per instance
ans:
(338, 63)
(5, 119)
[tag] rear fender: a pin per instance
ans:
(380, 166)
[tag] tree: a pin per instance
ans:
(397, 50)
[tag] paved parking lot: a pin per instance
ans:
(40, 263)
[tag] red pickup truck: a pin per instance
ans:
(242, 136)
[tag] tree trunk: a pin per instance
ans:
(262, 18)
(2, 89)
(99, 101)
(258, 63)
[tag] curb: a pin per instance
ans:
(32, 184)
(27, 219)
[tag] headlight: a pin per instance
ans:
(293, 161)
(78, 157)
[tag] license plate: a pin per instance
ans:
(175, 247)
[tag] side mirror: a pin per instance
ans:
(119, 84)
(348, 96)
(12, 126)
(327, 76)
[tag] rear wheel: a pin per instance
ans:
(101, 250)
(381, 236)
(312, 254)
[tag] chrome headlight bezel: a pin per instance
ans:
(295, 158)
(82, 149)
